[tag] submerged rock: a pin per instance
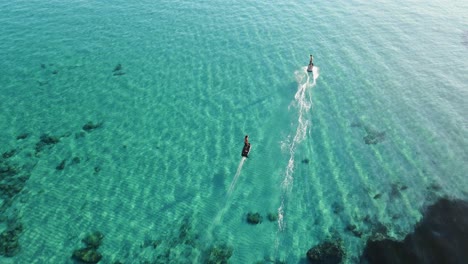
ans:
(434, 187)
(353, 229)
(22, 136)
(373, 136)
(218, 254)
(80, 134)
(9, 190)
(45, 141)
(9, 245)
(9, 154)
(88, 127)
(118, 67)
(6, 169)
(154, 243)
(272, 217)
(61, 166)
(9, 240)
(329, 252)
(93, 240)
(76, 160)
(254, 218)
(337, 208)
(395, 191)
(186, 234)
(379, 231)
(118, 70)
(49, 140)
(87, 255)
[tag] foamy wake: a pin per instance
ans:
(302, 102)
(234, 181)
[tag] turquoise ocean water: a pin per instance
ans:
(195, 77)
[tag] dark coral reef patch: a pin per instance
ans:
(89, 254)
(118, 70)
(254, 218)
(441, 237)
(46, 141)
(373, 136)
(330, 252)
(218, 254)
(90, 126)
(9, 239)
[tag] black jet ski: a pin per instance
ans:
(246, 150)
(311, 64)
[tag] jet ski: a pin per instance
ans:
(246, 150)
(311, 64)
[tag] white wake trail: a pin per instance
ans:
(217, 220)
(302, 102)
(234, 181)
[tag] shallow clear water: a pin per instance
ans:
(195, 78)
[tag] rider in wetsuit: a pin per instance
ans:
(246, 149)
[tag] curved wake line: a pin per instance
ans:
(239, 168)
(219, 217)
(303, 102)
